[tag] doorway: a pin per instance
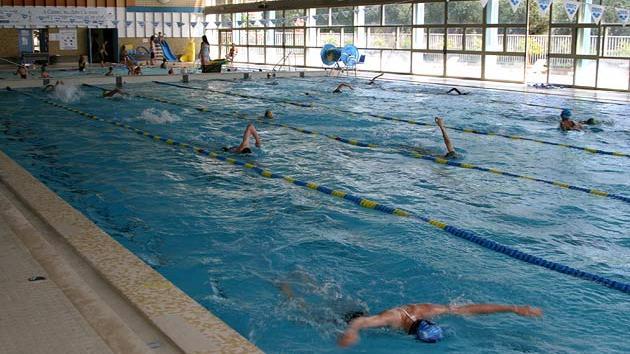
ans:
(107, 38)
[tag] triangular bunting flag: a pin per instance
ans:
(597, 12)
(544, 5)
(571, 7)
(315, 17)
(217, 23)
(115, 22)
(128, 23)
(205, 24)
(623, 15)
(193, 24)
(252, 22)
(483, 3)
(180, 24)
(514, 4)
(155, 23)
(168, 24)
(141, 23)
(238, 23)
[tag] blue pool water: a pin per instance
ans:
(232, 239)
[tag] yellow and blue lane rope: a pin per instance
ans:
(443, 161)
(438, 160)
(365, 203)
(157, 99)
(271, 99)
(415, 122)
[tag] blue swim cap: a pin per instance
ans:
(429, 332)
(566, 113)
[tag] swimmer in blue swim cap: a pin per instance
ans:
(567, 124)
(415, 319)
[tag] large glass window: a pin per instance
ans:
(455, 38)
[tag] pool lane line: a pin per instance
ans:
(414, 122)
(579, 98)
(230, 93)
(444, 161)
(157, 99)
(434, 159)
(364, 202)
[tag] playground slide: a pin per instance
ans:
(167, 52)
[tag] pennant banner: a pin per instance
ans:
(180, 24)
(571, 7)
(623, 15)
(597, 12)
(193, 24)
(205, 24)
(140, 23)
(168, 24)
(128, 23)
(252, 22)
(217, 23)
(544, 5)
(515, 4)
(155, 23)
(483, 3)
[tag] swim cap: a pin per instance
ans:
(566, 113)
(429, 332)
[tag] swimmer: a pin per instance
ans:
(22, 71)
(374, 78)
(110, 72)
(244, 147)
(163, 65)
(338, 89)
(51, 87)
(415, 319)
(44, 74)
(114, 92)
(170, 71)
(82, 62)
(456, 91)
(268, 114)
(272, 83)
(566, 123)
(449, 146)
(137, 70)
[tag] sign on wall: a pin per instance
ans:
(67, 39)
(71, 17)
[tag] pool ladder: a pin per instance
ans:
(283, 62)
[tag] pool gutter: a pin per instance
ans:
(189, 326)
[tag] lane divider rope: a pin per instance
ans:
(365, 203)
(444, 161)
(272, 99)
(414, 122)
(157, 99)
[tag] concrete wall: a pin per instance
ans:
(9, 43)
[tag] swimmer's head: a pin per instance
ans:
(427, 331)
(269, 114)
(565, 114)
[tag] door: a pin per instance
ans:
(225, 41)
(106, 38)
(25, 41)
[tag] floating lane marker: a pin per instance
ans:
(410, 121)
(366, 203)
(443, 161)
(157, 99)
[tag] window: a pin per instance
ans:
(430, 13)
(397, 14)
(464, 12)
(372, 15)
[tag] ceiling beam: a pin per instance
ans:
(291, 5)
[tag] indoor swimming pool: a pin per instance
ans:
(282, 263)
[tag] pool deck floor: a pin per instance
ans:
(97, 297)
